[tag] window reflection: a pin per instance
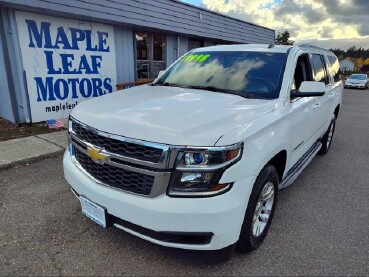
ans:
(249, 72)
(319, 69)
(235, 77)
(335, 68)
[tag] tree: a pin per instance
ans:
(283, 39)
(365, 68)
(366, 62)
(359, 63)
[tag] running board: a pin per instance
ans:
(296, 170)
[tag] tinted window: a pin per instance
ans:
(319, 69)
(249, 74)
(335, 68)
(357, 77)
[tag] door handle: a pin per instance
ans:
(330, 96)
(316, 106)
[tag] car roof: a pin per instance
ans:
(269, 48)
(246, 47)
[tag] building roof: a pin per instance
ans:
(165, 16)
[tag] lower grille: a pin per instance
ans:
(116, 177)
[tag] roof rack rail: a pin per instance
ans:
(312, 46)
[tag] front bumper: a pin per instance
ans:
(354, 85)
(222, 215)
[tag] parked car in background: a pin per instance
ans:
(357, 81)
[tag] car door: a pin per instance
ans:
(302, 115)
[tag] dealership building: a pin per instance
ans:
(55, 54)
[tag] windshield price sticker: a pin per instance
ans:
(196, 58)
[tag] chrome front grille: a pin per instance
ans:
(124, 148)
(122, 163)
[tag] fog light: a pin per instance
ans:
(192, 177)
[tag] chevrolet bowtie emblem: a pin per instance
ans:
(96, 155)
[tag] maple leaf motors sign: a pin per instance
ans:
(65, 62)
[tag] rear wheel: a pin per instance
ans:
(328, 137)
(260, 210)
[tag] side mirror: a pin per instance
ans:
(161, 72)
(309, 89)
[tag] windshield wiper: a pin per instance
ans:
(224, 90)
(166, 84)
(214, 89)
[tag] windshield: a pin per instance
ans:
(358, 77)
(248, 74)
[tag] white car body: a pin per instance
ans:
(173, 117)
(352, 82)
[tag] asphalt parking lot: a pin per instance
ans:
(320, 226)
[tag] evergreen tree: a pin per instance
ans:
(283, 39)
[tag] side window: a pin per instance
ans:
(320, 72)
(302, 71)
(335, 68)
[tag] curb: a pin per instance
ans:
(33, 159)
(31, 149)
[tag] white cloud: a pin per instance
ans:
(340, 22)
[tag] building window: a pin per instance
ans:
(195, 44)
(150, 55)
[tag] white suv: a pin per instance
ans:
(195, 160)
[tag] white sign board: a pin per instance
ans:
(66, 61)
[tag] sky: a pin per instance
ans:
(325, 23)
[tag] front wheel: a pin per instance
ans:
(328, 137)
(260, 210)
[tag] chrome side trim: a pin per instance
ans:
(296, 170)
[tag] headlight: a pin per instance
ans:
(198, 170)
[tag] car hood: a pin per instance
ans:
(170, 115)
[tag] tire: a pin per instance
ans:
(328, 137)
(250, 238)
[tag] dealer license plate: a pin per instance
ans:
(93, 211)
